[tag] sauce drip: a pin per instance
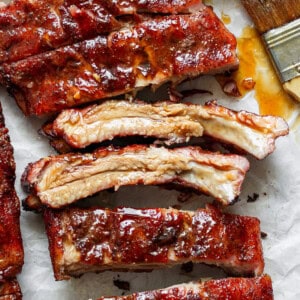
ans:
(257, 73)
(225, 18)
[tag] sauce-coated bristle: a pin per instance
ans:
(269, 14)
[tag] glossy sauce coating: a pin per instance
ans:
(259, 288)
(32, 27)
(11, 248)
(151, 52)
(144, 238)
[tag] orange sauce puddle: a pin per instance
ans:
(271, 97)
(256, 72)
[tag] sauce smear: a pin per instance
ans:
(225, 18)
(257, 73)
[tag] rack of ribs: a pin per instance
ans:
(11, 247)
(228, 288)
(149, 52)
(56, 181)
(97, 239)
(10, 290)
(32, 27)
(169, 122)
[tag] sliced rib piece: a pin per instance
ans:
(10, 290)
(259, 288)
(169, 48)
(171, 122)
(32, 27)
(11, 248)
(60, 180)
(91, 240)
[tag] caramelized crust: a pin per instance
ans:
(11, 248)
(259, 288)
(159, 49)
(56, 181)
(32, 27)
(170, 122)
(10, 290)
(89, 240)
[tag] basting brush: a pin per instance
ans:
(278, 22)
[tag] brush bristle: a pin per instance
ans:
(269, 14)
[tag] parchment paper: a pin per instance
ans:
(276, 180)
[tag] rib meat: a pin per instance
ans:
(92, 240)
(156, 50)
(11, 248)
(57, 181)
(32, 27)
(10, 290)
(171, 122)
(259, 288)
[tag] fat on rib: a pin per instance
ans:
(151, 52)
(170, 122)
(96, 239)
(32, 27)
(56, 181)
(11, 247)
(10, 290)
(228, 288)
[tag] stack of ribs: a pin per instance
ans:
(58, 55)
(11, 248)
(56, 181)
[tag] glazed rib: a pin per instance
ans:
(59, 180)
(11, 248)
(92, 240)
(10, 290)
(259, 288)
(154, 51)
(170, 122)
(32, 27)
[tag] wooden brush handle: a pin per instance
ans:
(292, 87)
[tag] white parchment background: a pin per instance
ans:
(276, 179)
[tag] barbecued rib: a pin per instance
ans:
(59, 180)
(96, 239)
(32, 27)
(171, 122)
(160, 49)
(11, 248)
(259, 288)
(10, 290)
